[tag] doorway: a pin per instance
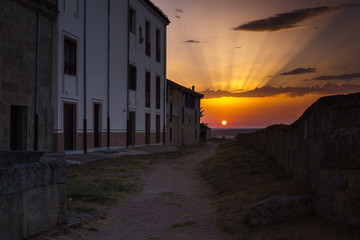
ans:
(18, 128)
(97, 125)
(131, 129)
(69, 126)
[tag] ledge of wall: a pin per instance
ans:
(32, 193)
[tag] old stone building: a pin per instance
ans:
(183, 115)
(26, 115)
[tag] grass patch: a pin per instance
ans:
(240, 177)
(185, 224)
(108, 181)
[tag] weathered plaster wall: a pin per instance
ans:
(32, 193)
(321, 149)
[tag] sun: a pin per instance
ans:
(224, 123)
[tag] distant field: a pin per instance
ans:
(230, 133)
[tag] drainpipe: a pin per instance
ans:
(165, 90)
(127, 85)
(85, 120)
(108, 78)
(36, 115)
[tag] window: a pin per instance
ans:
(196, 116)
(196, 133)
(132, 77)
(158, 47)
(18, 127)
(147, 38)
(157, 92)
(183, 115)
(171, 112)
(170, 135)
(157, 128)
(132, 20)
(70, 56)
(189, 101)
(147, 89)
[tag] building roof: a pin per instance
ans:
(157, 10)
(185, 89)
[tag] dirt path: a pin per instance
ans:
(173, 205)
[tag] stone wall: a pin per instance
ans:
(32, 193)
(321, 149)
(18, 38)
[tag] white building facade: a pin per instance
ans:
(109, 74)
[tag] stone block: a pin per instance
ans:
(9, 86)
(10, 217)
(9, 63)
(61, 203)
(323, 204)
(277, 209)
(11, 180)
(336, 182)
(4, 74)
(40, 210)
(18, 53)
(23, 67)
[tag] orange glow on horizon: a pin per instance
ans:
(255, 112)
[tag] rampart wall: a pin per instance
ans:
(321, 149)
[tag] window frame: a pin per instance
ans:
(132, 20)
(147, 38)
(158, 45)
(70, 56)
(147, 89)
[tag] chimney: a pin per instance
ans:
(193, 88)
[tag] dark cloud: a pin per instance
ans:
(299, 71)
(179, 10)
(283, 21)
(238, 47)
(268, 91)
(192, 41)
(338, 77)
(178, 16)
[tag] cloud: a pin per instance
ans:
(284, 21)
(299, 71)
(179, 10)
(192, 41)
(178, 16)
(338, 77)
(268, 91)
(238, 47)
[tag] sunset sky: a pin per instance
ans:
(262, 62)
